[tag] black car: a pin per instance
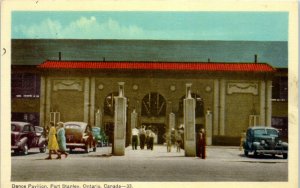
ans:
(265, 140)
(25, 136)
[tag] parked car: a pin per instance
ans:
(100, 136)
(265, 140)
(25, 136)
(78, 135)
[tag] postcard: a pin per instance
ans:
(129, 94)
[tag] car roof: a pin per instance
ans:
(81, 124)
(261, 127)
(20, 123)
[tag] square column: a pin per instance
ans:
(262, 106)
(189, 105)
(120, 122)
(98, 118)
(269, 104)
(208, 125)
(216, 107)
(222, 106)
(171, 120)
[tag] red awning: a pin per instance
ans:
(177, 66)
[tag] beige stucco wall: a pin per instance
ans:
(74, 97)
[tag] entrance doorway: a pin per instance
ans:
(159, 129)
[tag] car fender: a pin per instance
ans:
(285, 145)
(255, 145)
(22, 142)
(42, 142)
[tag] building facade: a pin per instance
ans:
(238, 95)
(237, 98)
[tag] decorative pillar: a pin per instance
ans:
(48, 99)
(222, 107)
(216, 107)
(189, 105)
(171, 121)
(98, 119)
(92, 102)
(86, 99)
(42, 102)
(269, 103)
(133, 119)
(208, 125)
(120, 122)
(262, 107)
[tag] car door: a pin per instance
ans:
(32, 137)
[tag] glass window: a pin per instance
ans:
(259, 132)
(153, 105)
(25, 85)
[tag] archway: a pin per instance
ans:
(153, 105)
(153, 114)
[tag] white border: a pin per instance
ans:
(155, 5)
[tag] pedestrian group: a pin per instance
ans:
(57, 141)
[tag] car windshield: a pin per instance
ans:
(72, 126)
(272, 132)
(95, 130)
(269, 132)
(259, 132)
(15, 127)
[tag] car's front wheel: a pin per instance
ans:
(285, 155)
(43, 148)
(86, 149)
(246, 152)
(25, 149)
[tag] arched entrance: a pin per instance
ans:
(153, 114)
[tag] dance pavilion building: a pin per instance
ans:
(237, 95)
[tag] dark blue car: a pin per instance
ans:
(265, 140)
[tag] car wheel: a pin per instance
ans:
(86, 149)
(94, 149)
(43, 149)
(25, 149)
(273, 155)
(246, 152)
(285, 155)
(255, 153)
(70, 150)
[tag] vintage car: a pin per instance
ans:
(264, 140)
(78, 135)
(100, 136)
(25, 136)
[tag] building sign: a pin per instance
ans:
(238, 87)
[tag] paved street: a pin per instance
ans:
(222, 164)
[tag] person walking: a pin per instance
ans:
(61, 139)
(202, 144)
(52, 142)
(167, 138)
(178, 141)
(151, 139)
(134, 138)
(243, 139)
(142, 134)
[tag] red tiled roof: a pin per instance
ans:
(229, 67)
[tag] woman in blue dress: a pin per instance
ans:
(61, 139)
